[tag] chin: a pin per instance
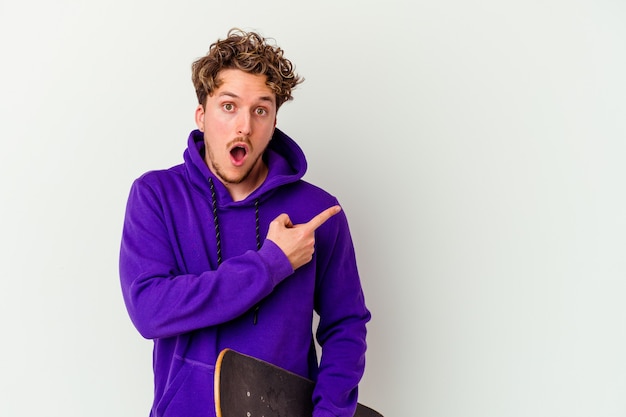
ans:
(234, 178)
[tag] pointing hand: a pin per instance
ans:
(298, 241)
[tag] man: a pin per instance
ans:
(232, 249)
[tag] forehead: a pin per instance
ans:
(244, 85)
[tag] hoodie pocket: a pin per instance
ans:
(190, 393)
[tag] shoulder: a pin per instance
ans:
(159, 185)
(305, 189)
(161, 178)
(302, 201)
(162, 175)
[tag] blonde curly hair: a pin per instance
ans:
(249, 52)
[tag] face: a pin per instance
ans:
(238, 121)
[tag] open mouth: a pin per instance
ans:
(238, 154)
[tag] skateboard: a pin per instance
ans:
(249, 387)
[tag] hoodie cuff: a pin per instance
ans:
(276, 262)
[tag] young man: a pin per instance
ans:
(232, 249)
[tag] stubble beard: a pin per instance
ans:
(223, 176)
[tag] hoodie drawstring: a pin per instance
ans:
(258, 246)
(218, 237)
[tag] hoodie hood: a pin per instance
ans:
(284, 158)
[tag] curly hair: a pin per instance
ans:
(249, 52)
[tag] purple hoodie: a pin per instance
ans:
(196, 287)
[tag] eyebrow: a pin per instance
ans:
(233, 95)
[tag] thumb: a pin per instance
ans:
(284, 220)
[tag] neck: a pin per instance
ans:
(242, 190)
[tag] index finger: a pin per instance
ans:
(321, 218)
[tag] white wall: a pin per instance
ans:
(477, 147)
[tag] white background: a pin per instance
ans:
(477, 147)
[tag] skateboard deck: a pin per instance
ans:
(249, 387)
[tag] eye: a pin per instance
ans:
(260, 111)
(228, 106)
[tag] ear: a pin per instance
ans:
(200, 117)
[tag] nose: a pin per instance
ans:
(244, 124)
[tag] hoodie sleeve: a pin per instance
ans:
(162, 301)
(342, 328)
